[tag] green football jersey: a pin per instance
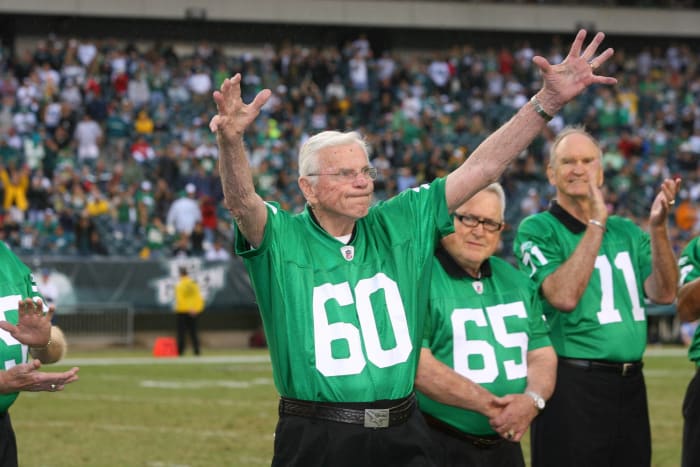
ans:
(344, 322)
(483, 329)
(16, 283)
(609, 321)
(689, 267)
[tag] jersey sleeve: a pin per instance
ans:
(425, 204)
(689, 262)
(241, 245)
(536, 250)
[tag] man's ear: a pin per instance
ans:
(307, 189)
(550, 175)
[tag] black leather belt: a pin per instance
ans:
(620, 368)
(371, 415)
(481, 442)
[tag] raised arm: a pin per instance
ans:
(662, 283)
(229, 124)
(562, 83)
(558, 288)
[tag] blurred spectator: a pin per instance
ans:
(88, 137)
(143, 125)
(184, 212)
(141, 150)
(83, 234)
(530, 204)
(197, 240)
(96, 246)
(217, 252)
(38, 198)
(97, 205)
(156, 237)
(16, 183)
(199, 84)
(686, 214)
(209, 218)
(117, 133)
(47, 286)
(181, 246)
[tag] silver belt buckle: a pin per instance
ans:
(376, 418)
(626, 367)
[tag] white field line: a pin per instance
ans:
(654, 351)
(164, 361)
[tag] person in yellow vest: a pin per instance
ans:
(16, 183)
(189, 304)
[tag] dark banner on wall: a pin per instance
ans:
(145, 285)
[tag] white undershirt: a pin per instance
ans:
(344, 238)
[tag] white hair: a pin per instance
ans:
(308, 154)
(497, 189)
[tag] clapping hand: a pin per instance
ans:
(33, 326)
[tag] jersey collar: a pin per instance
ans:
(454, 270)
(315, 221)
(563, 216)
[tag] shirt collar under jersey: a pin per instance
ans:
(313, 218)
(454, 270)
(563, 216)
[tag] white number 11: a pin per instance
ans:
(608, 313)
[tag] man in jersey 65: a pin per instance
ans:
(594, 272)
(23, 323)
(488, 351)
(688, 311)
(342, 287)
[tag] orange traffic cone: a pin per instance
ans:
(165, 347)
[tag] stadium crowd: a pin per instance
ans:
(105, 149)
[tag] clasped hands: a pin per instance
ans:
(510, 416)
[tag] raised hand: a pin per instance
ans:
(234, 115)
(569, 78)
(599, 210)
(34, 326)
(666, 197)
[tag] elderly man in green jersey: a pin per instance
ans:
(488, 351)
(25, 331)
(594, 272)
(339, 285)
(688, 311)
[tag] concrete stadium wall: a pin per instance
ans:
(387, 13)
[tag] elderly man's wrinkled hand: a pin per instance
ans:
(33, 325)
(566, 80)
(234, 115)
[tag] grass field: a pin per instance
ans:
(130, 409)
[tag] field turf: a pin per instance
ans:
(130, 409)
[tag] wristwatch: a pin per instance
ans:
(537, 399)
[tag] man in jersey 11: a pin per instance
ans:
(594, 272)
(488, 352)
(337, 285)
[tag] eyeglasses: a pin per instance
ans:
(349, 175)
(468, 220)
